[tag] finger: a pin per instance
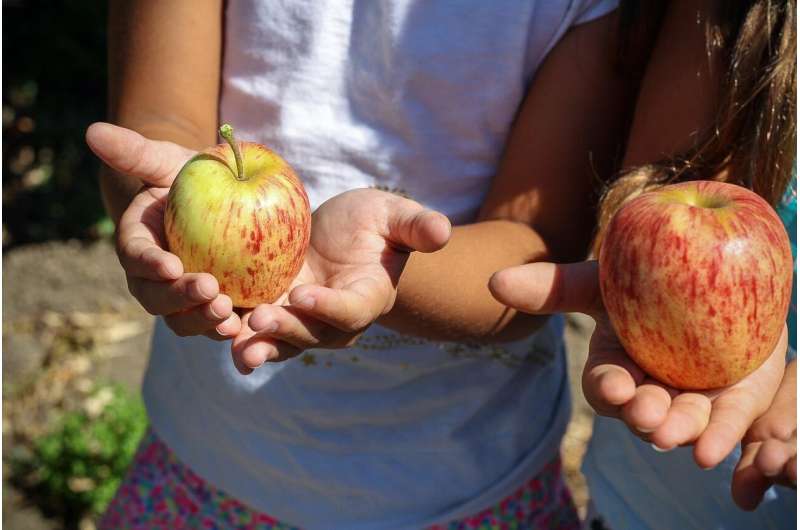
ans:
(607, 388)
(287, 324)
(772, 457)
(260, 349)
(409, 226)
(545, 288)
(648, 408)
(128, 152)
(248, 351)
(166, 298)
(731, 415)
(748, 484)
(685, 421)
(140, 239)
(737, 408)
(350, 309)
(142, 258)
(228, 329)
(609, 377)
(241, 368)
(773, 424)
(202, 319)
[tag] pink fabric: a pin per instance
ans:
(160, 492)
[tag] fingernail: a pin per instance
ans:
(220, 330)
(660, 450)
(645, 431)
(305, 303)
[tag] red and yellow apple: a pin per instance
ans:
(239, 212)
(697, 278)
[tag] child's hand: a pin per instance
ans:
(615, 386)
(769, 449)
(191, 302)
(360, 242)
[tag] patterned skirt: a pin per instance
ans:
(160, 492)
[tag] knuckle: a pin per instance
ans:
(780, 430)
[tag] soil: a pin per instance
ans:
(62, 298)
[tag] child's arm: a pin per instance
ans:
(540, 207)
(565, 139)
(769, 449)
(677, 99)
(164, 69)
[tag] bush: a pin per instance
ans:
(75, 469)
(54, 86)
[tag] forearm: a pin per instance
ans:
(445, 295)
(540, 205)
(163, 78)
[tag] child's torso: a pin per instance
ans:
(395, 432)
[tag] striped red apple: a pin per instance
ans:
(239, 212)
(697, 278)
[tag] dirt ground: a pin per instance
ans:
(68, 296)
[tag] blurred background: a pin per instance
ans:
(75, 343)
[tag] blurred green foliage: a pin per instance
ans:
(74, 470)
(54, 86)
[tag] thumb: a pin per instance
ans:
(412, 227)
(155, 163)
(546, 288)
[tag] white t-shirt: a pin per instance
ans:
(396, 432)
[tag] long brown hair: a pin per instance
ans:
(753, 139)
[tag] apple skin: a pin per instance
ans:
(697, 279)
(252, 234)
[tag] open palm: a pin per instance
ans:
(360, 242)
(714, 421)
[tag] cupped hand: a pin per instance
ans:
(360, 242)
(713, 421)
(769, 449)
(190, 302)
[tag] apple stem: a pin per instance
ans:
(226, 131)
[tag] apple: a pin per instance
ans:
(239, 212)
(697, 278)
